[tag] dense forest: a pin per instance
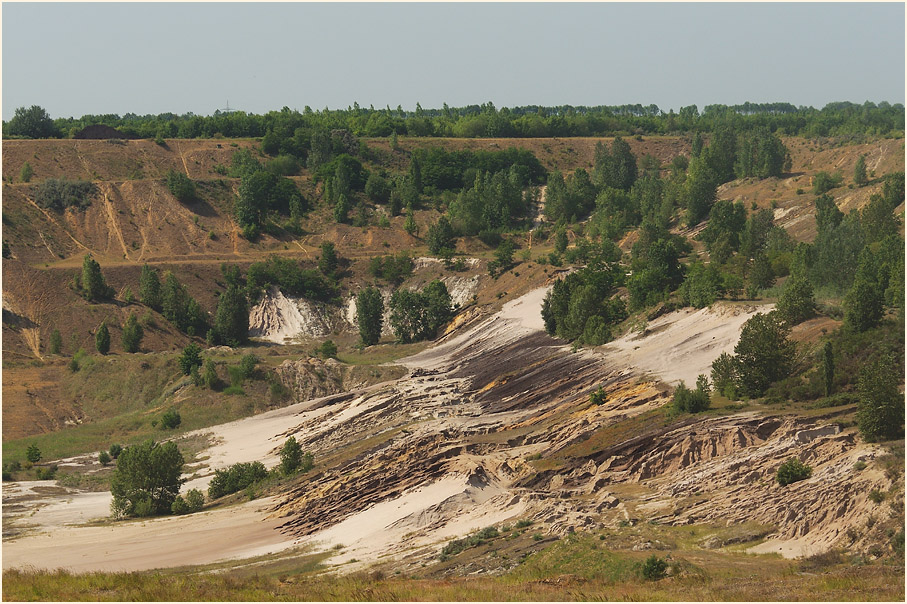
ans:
(294, 129)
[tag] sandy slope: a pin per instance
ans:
(682, 344)
(463, 490)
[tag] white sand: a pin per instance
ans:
(682, 344)
(202, 538)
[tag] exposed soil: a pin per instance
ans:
(406, 465)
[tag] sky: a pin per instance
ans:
(94, 58)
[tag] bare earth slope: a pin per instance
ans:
(407, 465)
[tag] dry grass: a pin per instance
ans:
(875, 583)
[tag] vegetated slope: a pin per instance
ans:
(791, 196)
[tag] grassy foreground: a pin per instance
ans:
(576, 568)
(877, 583)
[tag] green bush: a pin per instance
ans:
(792, 470)
(60, 193)
(598, 397)
(327, 350)
(193, 502)
(33, 453)
(458, 545)
(234, 390)
(171, 419)
(236, 478)
(180, 186)
(247, 365)
(47, 473)
(104, 458)
(824, 182)
(876, 496)
(692, 401)
(115, 450)
(654, 568)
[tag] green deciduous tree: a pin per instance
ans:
(377, 188)
(724, 375)
(797, 302)
(146, 479)
(699, 190)
(880, 415)
(293, 459)
(369, 315)
(763, 354)
(102, 339)
(440, 236)
(616, 169)
(328, 261)
(32, 122)
(419, 315)
(863, 304)
(231, 320)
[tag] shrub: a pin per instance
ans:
(876, 496)
(328, 350)
(234, 390)
(179, 505)
(56, 342)
(193, 502)
(26, 172)
(115, 450)
(236, 478)
(47, 473)
(692, 401)
(654, 568)
(792, 470)
(180, 186)
(824, 182)
(598, 397)
(60, 193)
(132, 334)
(171, 419)
(247, 365)
(104, 458)
(456, 546)
(860, 465)
(195, 499)
(33, 453)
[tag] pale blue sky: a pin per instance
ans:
(79, 58)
